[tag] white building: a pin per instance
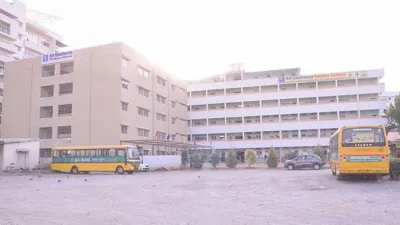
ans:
(16, 154)
(389, 97)
(21, 37)
(280, 108)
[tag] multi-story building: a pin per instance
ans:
(389, 97)
(21, 37)
(93, 96)
(281, 108)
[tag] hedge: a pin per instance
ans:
(394, 168)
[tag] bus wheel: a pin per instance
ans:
(74, 170)
(120, 170)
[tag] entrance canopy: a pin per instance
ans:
(166, 143)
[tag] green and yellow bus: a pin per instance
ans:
(85, 159)
(359, 150)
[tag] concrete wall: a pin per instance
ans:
(167, 161)
(10, 155)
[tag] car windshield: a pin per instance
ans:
(133, 153)
(363, 137)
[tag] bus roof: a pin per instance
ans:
(89, 147)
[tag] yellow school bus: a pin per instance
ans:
(84, 159)
(359, 150)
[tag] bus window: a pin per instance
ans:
(103, 153)
(63, 154)
(112, 152)
(121, 152)
(357, 136)
(91, 153)
(56, 153)
(133, 153)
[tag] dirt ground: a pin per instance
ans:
(241, 196)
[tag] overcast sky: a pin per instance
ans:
(193, 39)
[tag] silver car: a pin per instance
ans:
(305, 161)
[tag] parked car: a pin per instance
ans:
(144, 167)
(305, 161)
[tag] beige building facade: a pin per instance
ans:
(94, 96)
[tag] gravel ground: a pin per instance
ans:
(241, 196)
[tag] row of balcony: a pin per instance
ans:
(264, 135)
(287, 102)
(285, 118)
(284, 87)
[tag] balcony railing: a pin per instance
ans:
(5, 30)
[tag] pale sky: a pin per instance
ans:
(193, 39)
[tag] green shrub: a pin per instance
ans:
(319, 152)
(196, 161)
(215, 159)
(231, 159)
(250, 157)
(394, 168)
(272, 161)
(184, 157)
(291, 155)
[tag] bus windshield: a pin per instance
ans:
(133, 153)
(360, 137)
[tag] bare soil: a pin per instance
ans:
(242, 196)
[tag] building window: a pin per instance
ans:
(66, 68)
(143, 112)
(161, 117)
(124, 129)
(65, 110)
(45, 152)
(145, 152)
(124, 106)
(65, 89)
(64, 132)
(173, 103)
(161, 135)
(48, 71)
(161, 99)
(143, 91)
(173, 87)
(173, 120)
(45, 133)
(47, 91)
(143, 132)
(125, 62)
(46, 112)
(143, 72)
(124, 83)
(161, 81)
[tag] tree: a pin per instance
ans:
(215, 159)
(393, 115)
(184, 157)
(196, 161)
(250, 157)
(291, 155)
(319, 152)
(272, 161)
(231, 159)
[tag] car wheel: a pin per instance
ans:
(316, 166)
(120, 170)
(290, 167)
